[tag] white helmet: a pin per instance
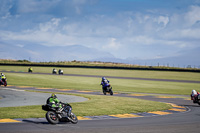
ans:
(194, 92)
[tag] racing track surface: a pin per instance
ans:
(179, 122)
(183, 122)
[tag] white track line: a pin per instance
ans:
(12, 89)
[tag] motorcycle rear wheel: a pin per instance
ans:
(51, 117)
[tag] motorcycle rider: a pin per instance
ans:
(54, 71)
(30, 69)
(3, 77)
(194, 95)
(55, 103)
(60, 71)
(104, 81)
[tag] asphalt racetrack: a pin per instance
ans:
(14, 97)
(181, 122)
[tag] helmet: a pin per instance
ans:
(103, 78)
(194, 92)
(53, 95)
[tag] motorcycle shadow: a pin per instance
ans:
(42, 122)
(35, 122)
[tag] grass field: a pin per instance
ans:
(93, 84)
(100, 105)
(113, 72)
(97, 105)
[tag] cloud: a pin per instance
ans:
(63, 23)
(163, 20)
(193, 15)
(112, 45)
(51, 25)
(142, 40)
(5, 6)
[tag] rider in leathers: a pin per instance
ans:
(104, 81)
(55, 103)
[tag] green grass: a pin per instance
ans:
(95, 106)
(113, 72)
(99, 105)
(89, 83)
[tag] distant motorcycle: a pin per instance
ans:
(66, 114)
(60, 72)
(54, 71)
(3, 82)
(106, 87)
(30, 70)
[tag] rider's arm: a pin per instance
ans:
(51, 100)
(56, 100)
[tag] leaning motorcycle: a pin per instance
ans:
(3, 82)
(196, 99)
(66, 114)
(107, 89)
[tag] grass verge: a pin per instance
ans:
(95, 106)
(92, 84)
(112, 72)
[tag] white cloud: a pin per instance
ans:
(193, 15)
(20, 45)
(5, 6)
(163, 20)
(142, 40)
(50, 26)
(113, 44)
(115, 31)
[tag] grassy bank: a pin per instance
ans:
(95, 106)
(99, 105)
(92, 84)
(111, 72)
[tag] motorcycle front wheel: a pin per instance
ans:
(5, 84)
(52, 117)
(73, 118)
(111, 92)
(104, 91)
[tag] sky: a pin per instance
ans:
(127, 29)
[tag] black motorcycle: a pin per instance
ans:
(30, 70)
(107, 89)
(196, 99)
(66, 114)
(54, 71)
(3, 82)
(60, 72)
